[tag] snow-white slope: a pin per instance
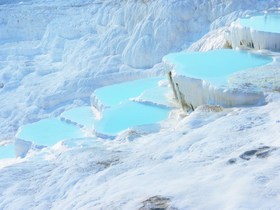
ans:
(53, 54)
(198, 162)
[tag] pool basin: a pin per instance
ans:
(256, 32)
(214, 66)
(265, 22)
(129, 114)
(82, 116)
(112, 95)
(7, 151)
(48, 132)
(199, 78)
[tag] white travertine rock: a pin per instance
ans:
(196, 92)
(245, 37)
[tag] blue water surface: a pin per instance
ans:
(7, 151)
(114, 94)
(128, 115)
(82, 115)
(266, 22)
(120, 114)
(215, 65)
(48, 132)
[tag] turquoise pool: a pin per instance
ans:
(114, 94)
(48, 132)
(214, 66)
(129, 114)
(120, 113)
(81, 115)
(266, 22)
(7, 151)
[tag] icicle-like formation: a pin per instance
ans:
(196, 92)
(256, 33)
(199, 78)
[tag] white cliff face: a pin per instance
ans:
(245, 37)
(195, 92)
(256, 31)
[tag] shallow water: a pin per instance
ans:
(81, 115)
(128, 115)
(113, 94)
(120, 114)
(155, 96)
(48, 132)
(266, 22)
(214, 66)
(7, 151)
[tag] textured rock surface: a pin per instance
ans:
(57, 55)
(157, 203)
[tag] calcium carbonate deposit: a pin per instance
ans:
(56, 55)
